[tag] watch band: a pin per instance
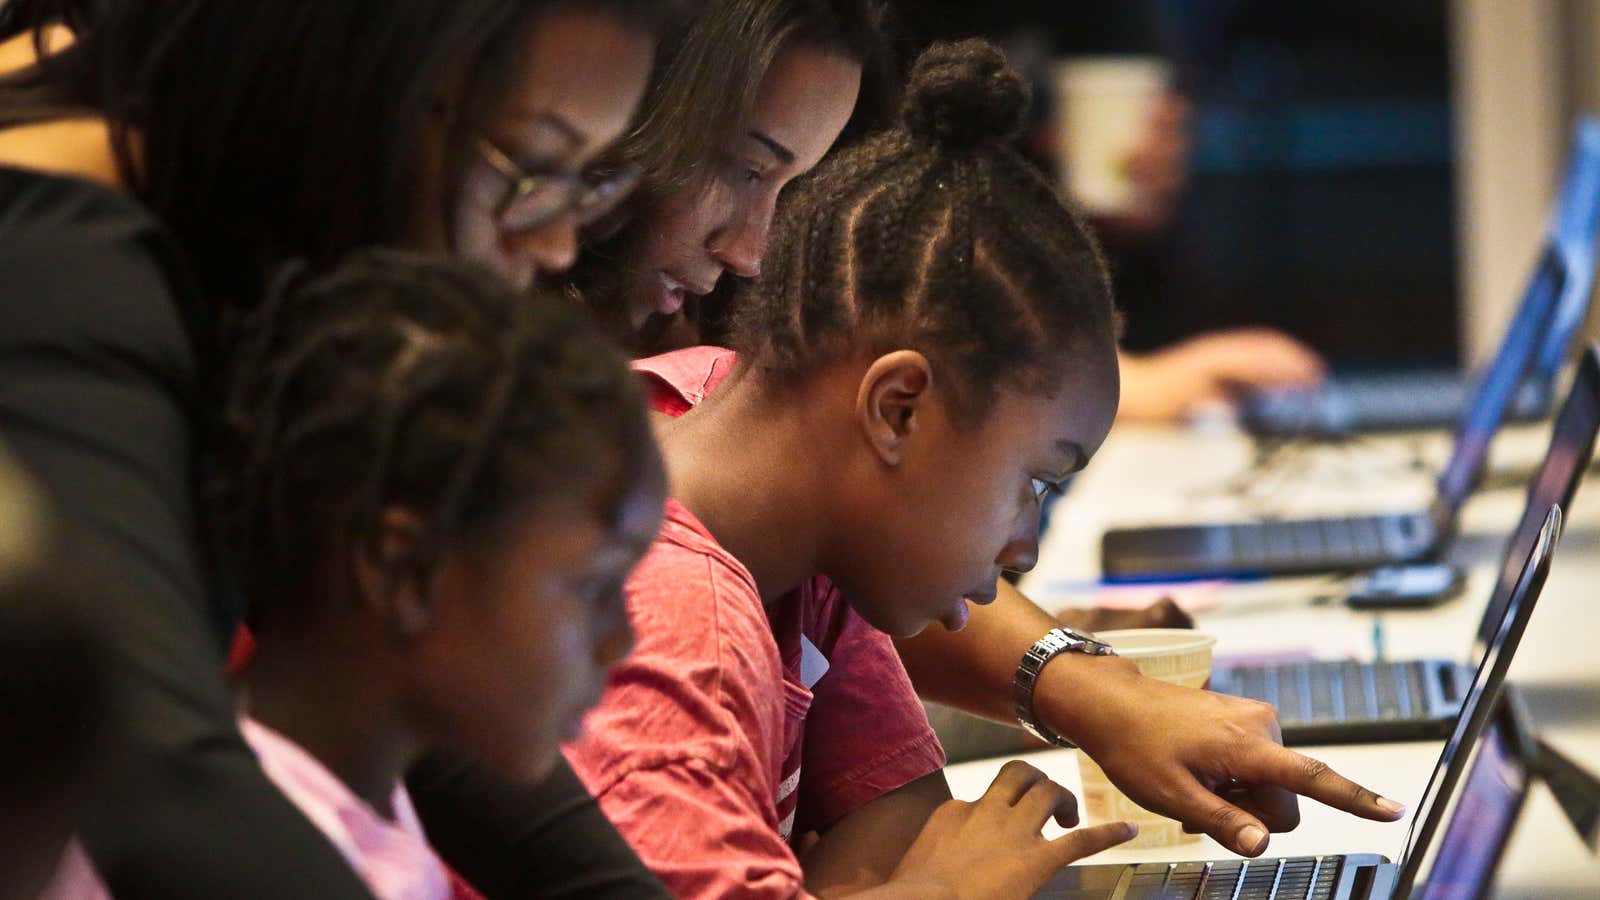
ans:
(1054, 641)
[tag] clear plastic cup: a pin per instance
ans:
(1176, 655)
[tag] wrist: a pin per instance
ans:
(1072, 688)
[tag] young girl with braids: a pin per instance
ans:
(929, 350)
(433, 490)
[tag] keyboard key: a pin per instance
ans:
(1322, 685)
(1360, 700)
(1327, 877)
(1339, 538)
(1270, 689)
(1386, 677)
(1250, 545)
(1416, 676)
(1368, 539)
(1280, 542)
(1308, 543)
(1258, 880)
(1291, 693)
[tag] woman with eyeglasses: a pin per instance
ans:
(153, 170)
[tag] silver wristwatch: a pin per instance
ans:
(1056, 640)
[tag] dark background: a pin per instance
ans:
(1320, 197)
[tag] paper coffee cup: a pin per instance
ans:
(1175, 655)
(1102, 105)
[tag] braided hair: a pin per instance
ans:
(936, 236)
(398, 379)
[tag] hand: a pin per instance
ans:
(992, 848)
(1213, 762)
(1163, 613)
(1175, 381)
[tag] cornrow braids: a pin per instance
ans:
(936, 236)
(401, 380)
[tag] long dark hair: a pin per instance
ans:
(259, 132)
(710, 67)
(702, 94)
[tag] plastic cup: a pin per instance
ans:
(1102, 105)
(1175, 655)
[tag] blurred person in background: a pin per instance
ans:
(1198, 374)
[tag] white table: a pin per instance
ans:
(1171, 474)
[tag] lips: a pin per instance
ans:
(982, 597)
(956, 618)
(675, 289)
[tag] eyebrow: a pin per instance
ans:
(569, 132)
(784, 154)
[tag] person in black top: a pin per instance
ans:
(151, 174)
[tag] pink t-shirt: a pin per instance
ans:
(391, 856)
(729, 731)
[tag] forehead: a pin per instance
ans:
(1079, 409)
(805, 99)
(583, 66)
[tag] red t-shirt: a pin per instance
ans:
(723, 734)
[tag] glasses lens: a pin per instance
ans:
(602, 197)
(546, 200)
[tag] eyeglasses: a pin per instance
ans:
(536, 199)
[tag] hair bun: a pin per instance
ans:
(963, 95)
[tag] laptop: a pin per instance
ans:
(1287, 547)
(1353, 402)
(1479, 827)
(1329, 702)
(1355, 876)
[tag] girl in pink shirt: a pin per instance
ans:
(929, 349)
(434, 489)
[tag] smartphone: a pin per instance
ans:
(1407, 587)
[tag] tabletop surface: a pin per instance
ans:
(1151, 475)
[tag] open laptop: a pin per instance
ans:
(1285, 547)
(1486, 810)
(1390, 700)
(1356, 876)
(1434, 398)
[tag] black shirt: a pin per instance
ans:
(106, 377)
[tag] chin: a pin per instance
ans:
(897, 625)
(537, 760)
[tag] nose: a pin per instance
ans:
(741, 245)
(1019, 556)
(548, 249)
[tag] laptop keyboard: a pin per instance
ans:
(1348, 540)
(1294, 878)
(1312, 692)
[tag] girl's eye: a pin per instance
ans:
(743, 171)
(1042, 487)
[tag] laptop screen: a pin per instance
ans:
(1555, 484)
(1475, 707)
(1572, 232)
(1553, 306)
(1481, 822)
(1490, 396)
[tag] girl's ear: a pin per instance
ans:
(893, 393)
(396, 583)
